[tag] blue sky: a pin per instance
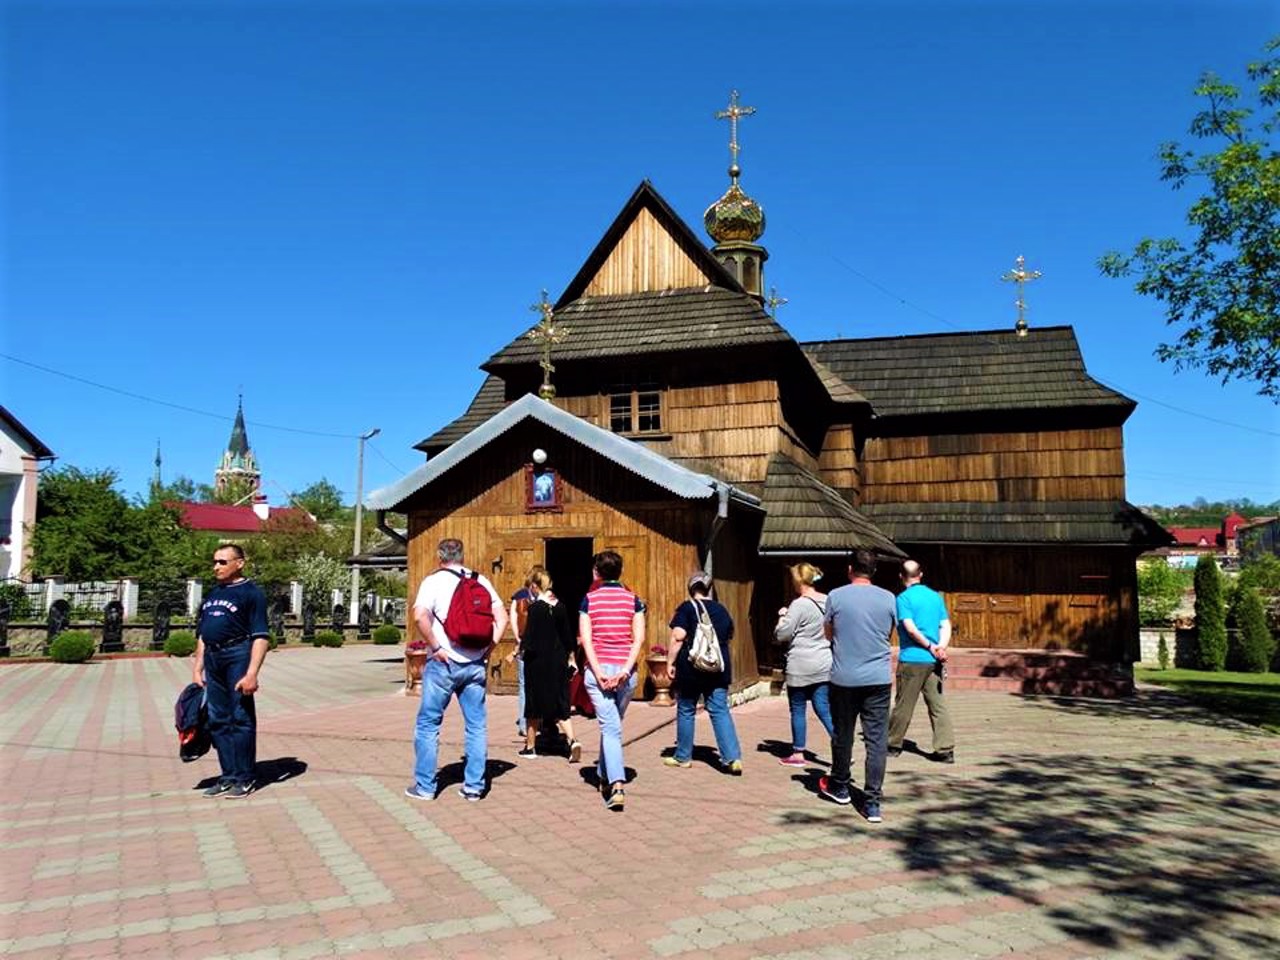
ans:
(344, 208)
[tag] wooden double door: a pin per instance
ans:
(567, 558)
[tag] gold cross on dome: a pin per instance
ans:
(775, 301)
(546, 334)
(733, 114)
(1021, 276)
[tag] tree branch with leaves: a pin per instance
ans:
(1222, 287)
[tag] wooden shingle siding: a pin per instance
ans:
(1053, 465)
(646, 258)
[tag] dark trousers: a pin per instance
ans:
(233, 723)
(914, 679)
(870, 705)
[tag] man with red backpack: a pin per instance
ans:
(462, 618)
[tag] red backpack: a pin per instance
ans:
(469, 623)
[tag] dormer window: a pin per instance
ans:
(636, 409)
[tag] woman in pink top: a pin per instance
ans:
(611, 629)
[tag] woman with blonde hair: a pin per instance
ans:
(808, 657)
(547, 645)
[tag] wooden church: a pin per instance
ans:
(686, 429)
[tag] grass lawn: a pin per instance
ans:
(1251, 697)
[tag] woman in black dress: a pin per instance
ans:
(547, 649)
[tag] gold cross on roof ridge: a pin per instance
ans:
(732, 114)
(1021, 276)
(546, 334)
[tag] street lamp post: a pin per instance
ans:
(355, 567)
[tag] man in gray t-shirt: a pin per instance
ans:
(859, 621)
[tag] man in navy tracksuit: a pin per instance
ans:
(231, 643)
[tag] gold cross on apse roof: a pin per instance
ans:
(1021, 276)
(732, 114)
(546, 334)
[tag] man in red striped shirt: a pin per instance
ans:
(611, 629)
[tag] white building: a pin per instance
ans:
(20, 453)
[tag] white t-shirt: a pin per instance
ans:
(434, 597)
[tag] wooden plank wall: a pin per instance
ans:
(482, 503)
(646, 258)
(1082, 599)
(838, 464)
(990, 467)
(738, 425)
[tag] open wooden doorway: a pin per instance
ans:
(569, 563)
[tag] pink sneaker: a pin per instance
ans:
(795, 760)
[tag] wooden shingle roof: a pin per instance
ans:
(666, 321)
(487, 401)
(1113, 522)
(967, 372)
(804, 515)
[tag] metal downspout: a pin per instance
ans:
(388, 530)
(722, 515)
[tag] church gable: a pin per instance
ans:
(646, 248)
(647, 257)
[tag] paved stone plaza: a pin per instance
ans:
(1066, 829)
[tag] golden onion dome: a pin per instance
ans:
(735, 216)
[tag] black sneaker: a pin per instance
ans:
(239, 791)
(836, 793)
(528, 753)
(944, 756)
(218, 789)
(895, 751)
(617, 800)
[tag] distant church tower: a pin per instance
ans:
(239, 466)
(735, 221)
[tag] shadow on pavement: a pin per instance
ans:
(452, 774)
(1169, 852)
(1148, 703)
(271, 772)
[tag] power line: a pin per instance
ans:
(1119, 389)
(166, 403)
(393, 466)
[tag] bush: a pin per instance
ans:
(1211, 615)
(1256, 644)
(74, 646)
(1162, 653)
(180, 643)
(328, 638)
(386, 635)
(1261, 573)
(20, 606)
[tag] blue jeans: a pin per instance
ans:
(611, 706)
(233, 722)
(717, 701)
(870, 706)
(440, 681)
(520, 724)
(819, 694)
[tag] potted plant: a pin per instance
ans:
(656, 660)
(415, 658)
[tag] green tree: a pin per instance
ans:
(322, 499)
(1223, 289)
(1256, 644)
(83, 528)
(1211, 615)
(1261, 574)
(320, 575)
(1160, 589)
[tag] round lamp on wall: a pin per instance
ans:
(539, 456)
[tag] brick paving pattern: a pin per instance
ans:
(1066, 829)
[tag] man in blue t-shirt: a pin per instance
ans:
(859, 621)
(924, 631)
(231, 643)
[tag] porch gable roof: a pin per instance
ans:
(628, 454)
